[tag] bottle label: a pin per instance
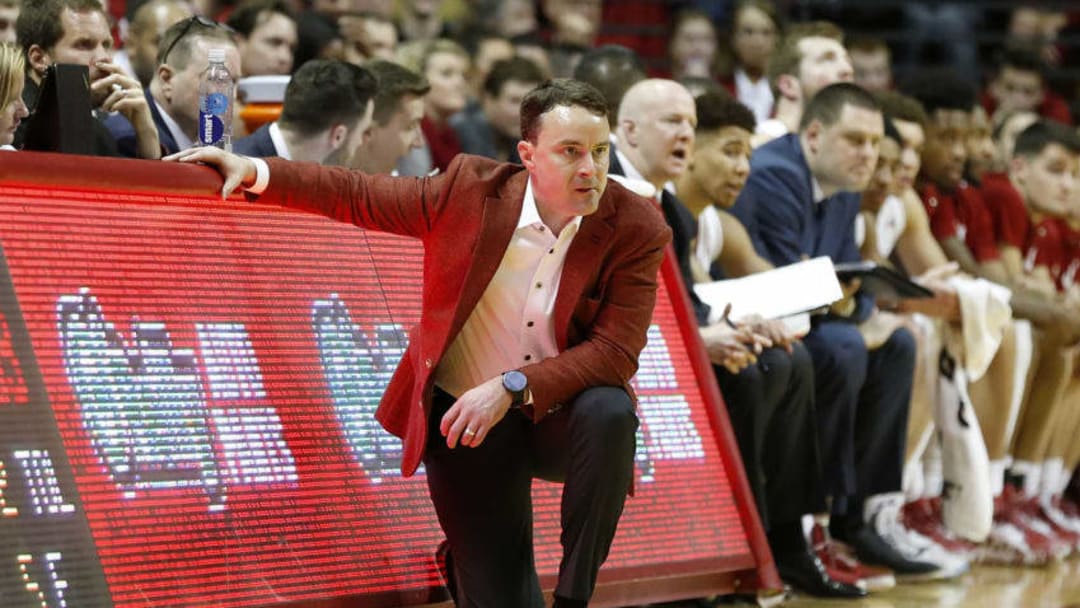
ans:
(211, 128)
(215, 103)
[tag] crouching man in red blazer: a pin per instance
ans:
(539, 286)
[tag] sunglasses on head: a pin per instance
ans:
(190, 21)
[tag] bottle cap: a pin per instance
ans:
(216, 55)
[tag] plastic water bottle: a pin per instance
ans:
(216, 103)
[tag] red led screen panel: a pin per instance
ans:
(187, 416)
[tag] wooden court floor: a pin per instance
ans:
(1055, 586)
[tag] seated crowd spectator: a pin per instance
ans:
(325, 119)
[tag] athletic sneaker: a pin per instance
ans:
(924, 516)
(911, 546)
(842, 565)
(1011, 541)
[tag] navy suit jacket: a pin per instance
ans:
(258, 144)
(124, 133)
(476, 134)
(778, 209)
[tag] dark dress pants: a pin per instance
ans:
(483, 495)
(771, 407)
(863, 398)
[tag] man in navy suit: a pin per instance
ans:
(800, 201)
(173, 94)
(325, 118)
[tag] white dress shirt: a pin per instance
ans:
(278, 139)
(511, 326)
(183, 142)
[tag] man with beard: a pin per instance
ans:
(325, 118)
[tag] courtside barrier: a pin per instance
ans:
(187, 388)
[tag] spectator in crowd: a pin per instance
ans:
(214, 10)
(1007, 126)
(325, 118)
(533, 46)
(573, 26)
(692, 46)
(811, 57)
(12, 80)
(770, 402)
(509, 18)
(1037, 28)
(572, 418)
(337, 8)
(368, 36)
(755, 32)
(9, 14)
(1019, 85)
(173, 95)
(398, 110)
(493, 128)
(485, 49)
(267, 36)
(800, 200)
(871, 60)
(77, 32)
(444, 64)
(612, 69)
(145, 28)
(318, 37)
(421, 20)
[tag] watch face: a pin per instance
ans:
(515, 381)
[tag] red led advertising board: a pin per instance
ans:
(186, 415)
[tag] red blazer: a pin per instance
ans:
(465, 218)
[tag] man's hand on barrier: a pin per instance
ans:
(237, 170)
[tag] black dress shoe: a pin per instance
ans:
(871, 548)
(804, 571)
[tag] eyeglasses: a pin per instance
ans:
(190, 21)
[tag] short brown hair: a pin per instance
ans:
(826, 106)
(395, 81)
(39, 21)
(558, 92)
(788, 56)
(901, 107)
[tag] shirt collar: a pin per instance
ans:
(819, 194)
(530, 215)
(280, 146)
(631, 172)
(183, 142)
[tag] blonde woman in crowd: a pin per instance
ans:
(12, 69)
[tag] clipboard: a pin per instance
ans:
(882, 281)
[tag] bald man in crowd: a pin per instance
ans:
(147, 24)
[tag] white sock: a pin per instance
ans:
(1030, 472)
(913, 483)
(997, 476)
(1050, 477)
(1063, 482)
